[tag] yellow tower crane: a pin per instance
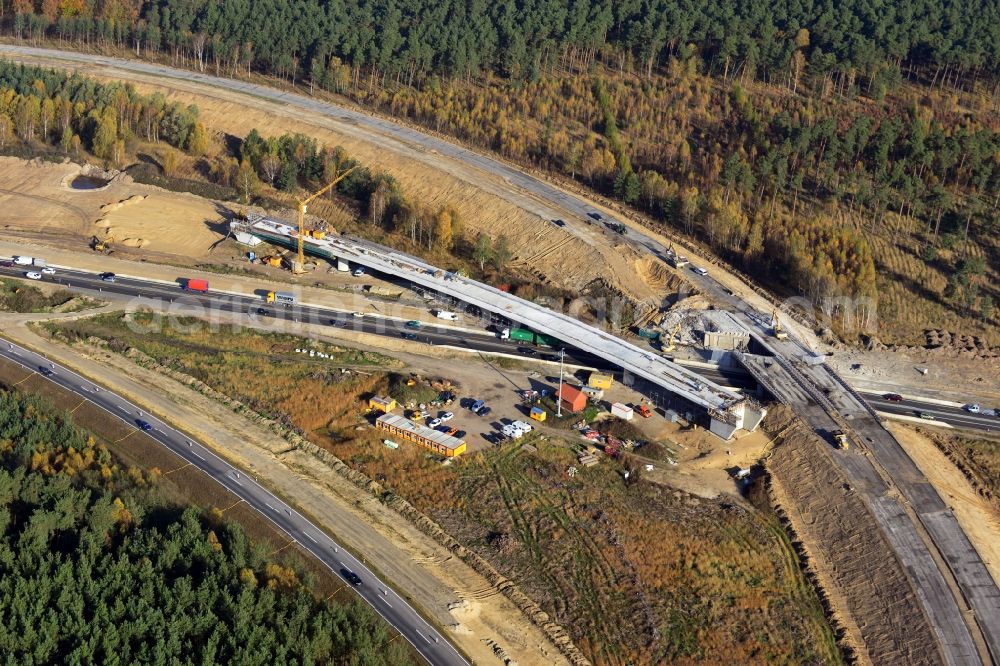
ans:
(300, 265)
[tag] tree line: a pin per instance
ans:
(98, 568)
(77, 113)
(409, 40)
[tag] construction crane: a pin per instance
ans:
(300, 265)
(672, 337)
(776, 326)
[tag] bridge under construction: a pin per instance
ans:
(728, 411)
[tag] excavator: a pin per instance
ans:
(103, 245)
(299, 264)
(671, 343)
(776, 327)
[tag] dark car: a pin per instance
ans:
(483, 411)
(596, 216)
(144, 425)
(6, 263)
(410, 336)
(109, 277)
(527, 351)
(263, 313)
(893, 397)
(559, 223)
(337, 322)
(45, 371)
(351, 577)
(413, 324)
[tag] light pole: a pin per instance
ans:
(562, 353)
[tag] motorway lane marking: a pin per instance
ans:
(310, 537)
(195, 453)
(270, 507)
(123, 409)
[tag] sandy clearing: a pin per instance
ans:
(566, 257)
(35, 197)
(978, 519)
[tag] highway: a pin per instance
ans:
(427, 641)
(485, 342)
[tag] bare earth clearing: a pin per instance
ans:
(486, 202)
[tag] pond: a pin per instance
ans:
(88, 183)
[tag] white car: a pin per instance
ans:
(33, 275)
(972, 409)
(522, 426)
(511, 432)
(434, 423)
(358, 272)
(48, 270)
(358, 314)
(701, 271)
(447, 416)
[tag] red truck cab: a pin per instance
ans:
(196, 285)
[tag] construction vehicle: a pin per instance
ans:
(272, 260)
(299, 266)
(671, 344)
(102, 245)
(840, 439)
(776, 330)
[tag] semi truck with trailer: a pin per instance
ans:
(280, 297)
(527, 335)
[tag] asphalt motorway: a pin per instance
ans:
(166, 295)
(427, 641)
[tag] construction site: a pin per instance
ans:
(706, 414)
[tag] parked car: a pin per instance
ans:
(893, 397)
(32, 275)
(483, 411)
(48, 270)
(434, 423)
(447, 416)
(477, 405)
(358, 272)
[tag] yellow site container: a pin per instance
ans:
(599, 381)
(538, 413)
